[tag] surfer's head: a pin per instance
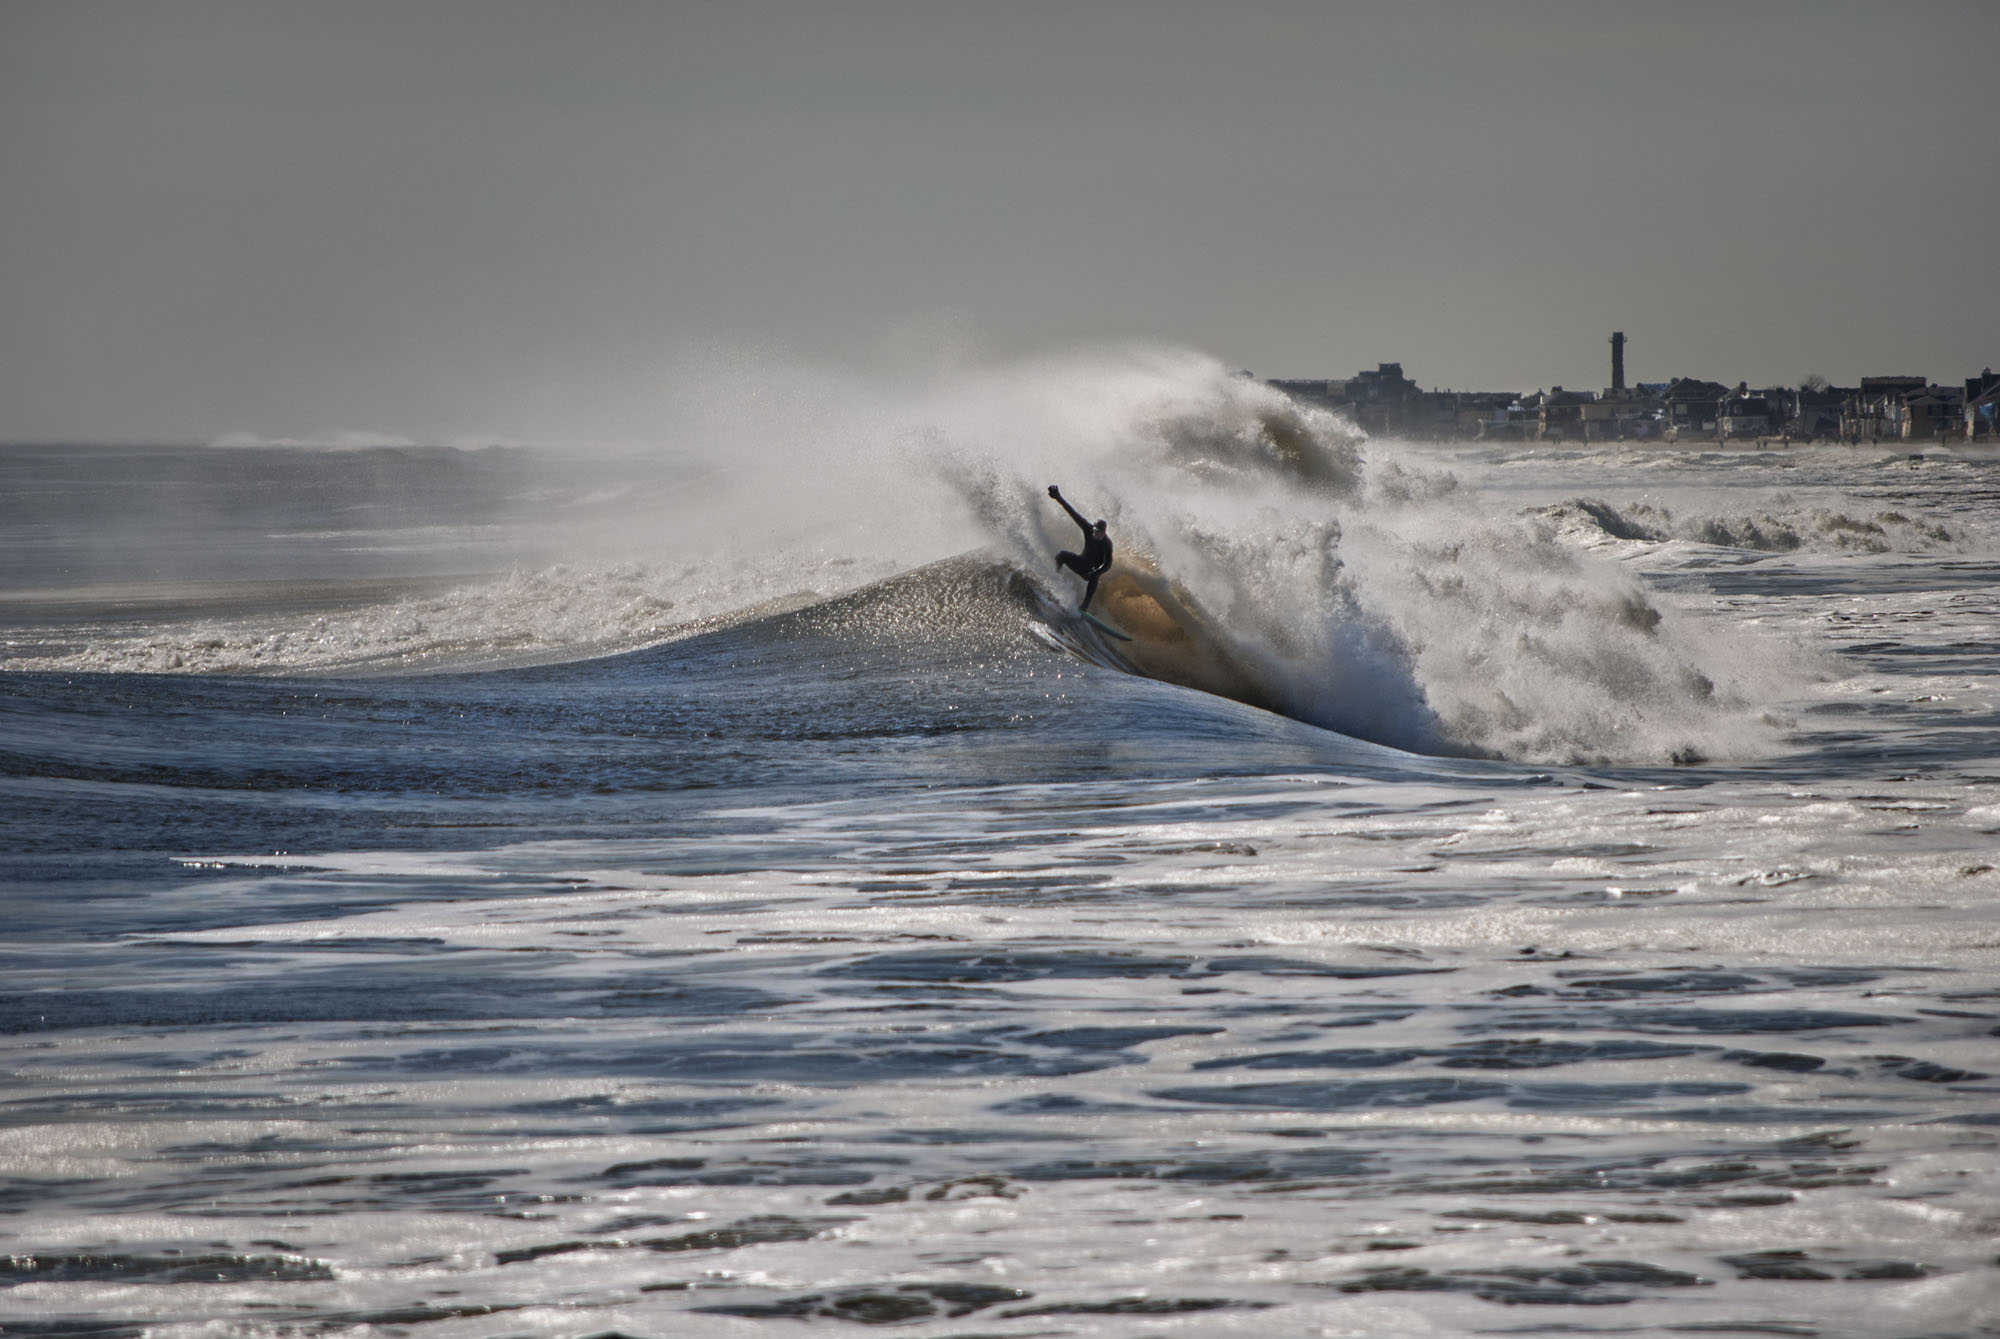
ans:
(1097, 527)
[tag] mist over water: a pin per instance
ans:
(1357, 586)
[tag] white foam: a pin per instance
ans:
(1407, 599)
(1381, 597)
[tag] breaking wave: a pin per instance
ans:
(1363, 592)
(1278, 555)
(1778, 530)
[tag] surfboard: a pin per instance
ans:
(1102, 626)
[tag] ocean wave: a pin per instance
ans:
(1346, 584)
(1810, 529)
(1267, 552)
(555, 614)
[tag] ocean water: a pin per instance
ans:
(716, 888)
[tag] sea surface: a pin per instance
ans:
(718, 888)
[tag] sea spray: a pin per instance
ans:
(1364, 588)
(1377, 596)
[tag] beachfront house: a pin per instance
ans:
(1816, 411)
(1982, 405)
(1876, 410)
(1568, 415)
(1933, 413)
(1741, 414)
(1691, 407)
(1481, 413)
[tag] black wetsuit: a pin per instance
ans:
(1093, 562)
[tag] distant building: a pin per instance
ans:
(1383, 401)
(1626, 412)
(1813, 410)
(1933, 413)
(1634, 413)
(1477, 414)
(1692, 407)
(1567, 416)
(1741, 414)
(1982, 405)
(1875, 410)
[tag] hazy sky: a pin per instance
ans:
(451, 219)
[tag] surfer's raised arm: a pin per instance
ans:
(1074, 514)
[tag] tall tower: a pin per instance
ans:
(1618, 360)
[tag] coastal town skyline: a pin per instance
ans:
(1893, 405)
(1386, 400)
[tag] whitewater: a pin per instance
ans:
(714, 885)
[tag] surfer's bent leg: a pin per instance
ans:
(1069, 560)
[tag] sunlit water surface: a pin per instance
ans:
(878, 959)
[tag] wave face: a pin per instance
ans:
(1273, 554)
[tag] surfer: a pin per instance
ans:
(1095, 560)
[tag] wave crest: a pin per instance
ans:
(1349, 583)
(1361, 590)
(1812, 529)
